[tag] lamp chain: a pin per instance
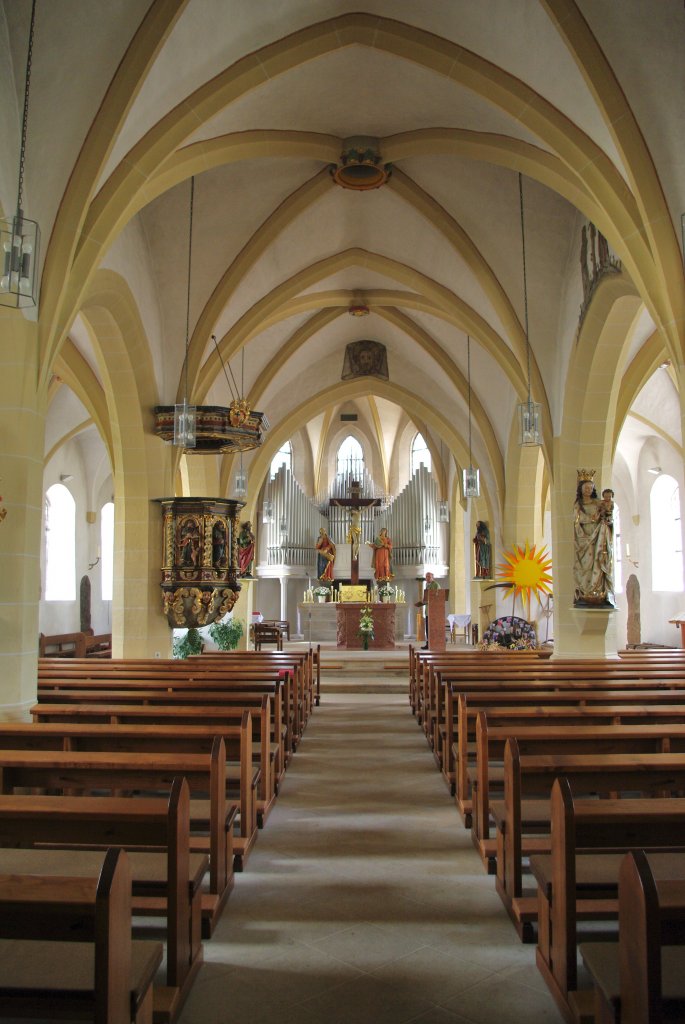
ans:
(25, 121)
(468, 367)
(190, 256)
(525, 285)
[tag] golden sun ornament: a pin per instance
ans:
(526, 572)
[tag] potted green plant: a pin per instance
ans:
(188, 644)
(321, 593)
(226, 634)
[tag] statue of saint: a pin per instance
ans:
(382, 556)
(245, 549)
(354, 534)
(593, 546)
(483, 551)
(189, 543)
(218, 544)
(325, 556)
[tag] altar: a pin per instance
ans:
(318, 623)
(347, 622)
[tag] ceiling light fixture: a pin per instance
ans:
(210, 429)
(529, 411)
(470, 476)
(19, 236)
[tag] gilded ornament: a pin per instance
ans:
(239, 412)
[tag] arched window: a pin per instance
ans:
(107, 550)
(618, 555)
(420, 455)
(60, 544)
(351, 458)
(667, 547)
(283, 457)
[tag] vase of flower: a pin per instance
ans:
(321, 594)
(366, 627)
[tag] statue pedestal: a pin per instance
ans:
(347, 621)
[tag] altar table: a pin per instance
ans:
(347, 621)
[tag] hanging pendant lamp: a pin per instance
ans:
(528, 411)
(470, 476)
(185, 414)
(19, 236)
(210, 429)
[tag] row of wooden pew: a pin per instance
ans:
(536, 753)
(186, 759)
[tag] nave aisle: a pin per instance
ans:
(363, 900)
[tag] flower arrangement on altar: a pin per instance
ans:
(386, 591)
(366, 627)
(321, 591)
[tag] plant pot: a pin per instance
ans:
(320, 600)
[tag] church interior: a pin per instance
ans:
(355, 269)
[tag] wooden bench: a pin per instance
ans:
(75, 645)
(211, 818)
(555, 707)
(641, 980)
(163, 884)
(578, 880)
(264, 709)
(162, 689)
(217, 665)
(533, 776)
(546, 738)
(241, 779)
(434, 709)
(66, 948)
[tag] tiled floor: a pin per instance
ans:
(363, 900)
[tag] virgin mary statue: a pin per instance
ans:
(593, 545)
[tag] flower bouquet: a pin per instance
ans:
(321, 593)
(366, 627)
(386, 591)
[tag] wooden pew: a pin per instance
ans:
(67, 951)
(598, 706)
(547, 738)
(267, 734)
(215, 669)
(164, 884)
(61, 770)
(533, 776)
(241, 779)
(434, 715)
(579, 879)
(161, 690)
(82, 644)
(62, 645)
(649, 958)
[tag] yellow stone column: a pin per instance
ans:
(22, 437)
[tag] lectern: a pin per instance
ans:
(436, 618)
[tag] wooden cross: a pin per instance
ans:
(356, 503)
